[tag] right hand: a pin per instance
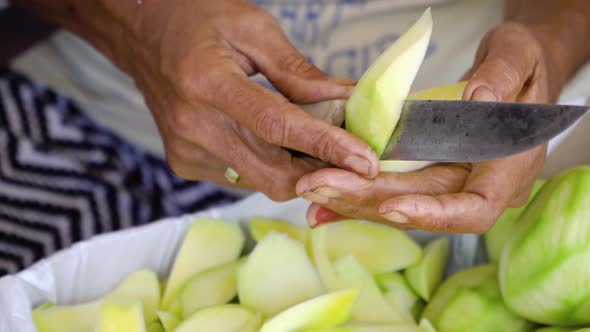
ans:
(192, 59)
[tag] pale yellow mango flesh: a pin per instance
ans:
(260, 227)
(168, 320)
(223, 318)
(121, 316)
(211, 287)
(370, 306)
(373, 109)
(325, 311)
(207, 244)
(277, 275)
(140, 285)
(378, 248)
(398, 292)
(426, 275)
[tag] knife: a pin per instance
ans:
(469, 131)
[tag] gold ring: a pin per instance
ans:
(231, 175)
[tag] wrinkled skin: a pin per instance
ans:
(212, 116)
(192, 60)
(511, 65)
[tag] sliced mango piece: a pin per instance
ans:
(277, 275)
(452, 91)
(378, 248)
(318, 247)
(207, 244)
(426, 325)
(260, 227)
(155, 327)
(496, 237)
(140, 285)
(445, 92)
(168, 320)
(325, 311)
(426, 275)
(121, 316)
(370, 306)
(211, 287)
(374, 108)
(223, 318)
(398, 292)
(364, 327)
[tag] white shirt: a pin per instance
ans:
(342, 37)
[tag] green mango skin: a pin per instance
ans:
(545, 266)
(496, 237)
(470, 301)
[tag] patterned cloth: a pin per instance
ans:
(65, 179)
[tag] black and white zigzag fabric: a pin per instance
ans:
(64, 179)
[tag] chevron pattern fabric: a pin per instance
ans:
(64, 179)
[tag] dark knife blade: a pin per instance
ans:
(462, 131)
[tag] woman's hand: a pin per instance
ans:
(191, 59)
(511, 65)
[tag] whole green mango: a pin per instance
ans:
(470, 301)
(545, 265)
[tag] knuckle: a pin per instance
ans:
(296, 63)
(271, 126)
(319, 143)
(181, 123)
(279, 192)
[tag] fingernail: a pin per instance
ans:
(396, 217)
(358, 164)
(328, 192)
(316, 198)
(484, 94)
(324, 215)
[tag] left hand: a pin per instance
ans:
(511, 65)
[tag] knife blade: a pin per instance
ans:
(469, 131)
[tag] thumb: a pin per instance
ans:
(505, 69)
(290, 71)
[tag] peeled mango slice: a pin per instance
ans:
(260, 227)
(370, 306)
(445, 92)
(155, 327)
(318, 248)
(374, 108)
(325, 311)
(277, 275)
(348, 272)
(223, 318)
(377, 247)
(121, 316)
(544, 268)
(207, 244)
(496, 237)
(470, 301)
(140, 285)
(364, 327)
(426, 275)
(426, 325)
(211, 287)
(398, 292)
(168, 320)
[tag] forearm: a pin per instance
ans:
(563, 27)
(109, 25)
